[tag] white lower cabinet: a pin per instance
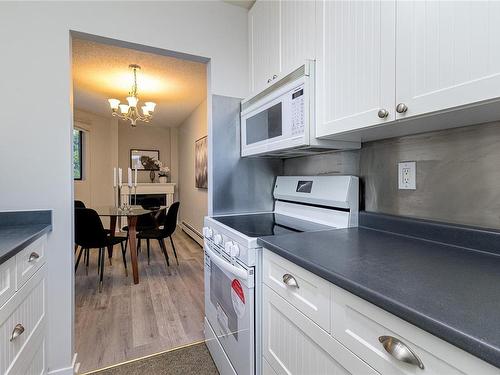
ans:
(363, 328)
(294, 344)
(364, 339)
(23, 317)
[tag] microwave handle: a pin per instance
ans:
(242, 274)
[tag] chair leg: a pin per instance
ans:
(147, 245)
(101, 276)
(99, 262)
(78, 259)
(139, 246)
(173, 247)
(76, 248)
(87, 255)
(164, 250)
(124, 250)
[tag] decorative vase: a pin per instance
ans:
(163, 179)
(152, 176)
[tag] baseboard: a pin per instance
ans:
(192, 232)
(63, 371)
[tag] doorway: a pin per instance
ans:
(165, 309)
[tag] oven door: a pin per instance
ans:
(276, 122)
(229, 308)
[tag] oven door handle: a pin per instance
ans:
(242, 274)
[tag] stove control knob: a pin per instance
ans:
(218, 239)
(208, 232)
(235, 250)
(227, 247)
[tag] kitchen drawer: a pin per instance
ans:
(311, 295)
(358, 325)
(29, 260)
(7, 280)
(31, 360)
(26, 307)
(294, 344)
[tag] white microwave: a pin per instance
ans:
(280, 121)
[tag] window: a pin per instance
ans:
(77, 154)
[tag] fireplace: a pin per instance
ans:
(160, 198)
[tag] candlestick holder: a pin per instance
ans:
(135, 195)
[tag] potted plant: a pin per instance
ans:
(163, 172)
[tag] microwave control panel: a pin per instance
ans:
(298, 111)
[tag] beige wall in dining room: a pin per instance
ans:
(194, 201)
(147, 137)
(100, 154)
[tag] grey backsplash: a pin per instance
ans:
(239, 184)
(458, 174)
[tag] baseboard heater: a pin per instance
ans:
(192, 232)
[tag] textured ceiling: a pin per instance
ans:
(247, 4)
(101, 71)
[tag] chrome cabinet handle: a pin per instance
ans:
(400, 351)
(269, 80)
(33, 256)
(383, 113)
(18, 331)
(275, 76)
(290, 280)
(401, 108)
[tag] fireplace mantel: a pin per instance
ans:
(154, 188)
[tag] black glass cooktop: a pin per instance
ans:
(268, 224)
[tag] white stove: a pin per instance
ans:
(232, 259)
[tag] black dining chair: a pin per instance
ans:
(159, 234)
(90, 234)
(79, 204)
(146, 222)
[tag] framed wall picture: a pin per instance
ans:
(144, 160)
(201, 163)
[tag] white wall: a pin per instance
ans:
(144, 137)
(36, 89)
(100, 153)
(194, 202)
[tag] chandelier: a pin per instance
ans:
(130, 111)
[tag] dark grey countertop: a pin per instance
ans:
(19, 229)
(449, 291)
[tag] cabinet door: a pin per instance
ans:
(264, 43)
(355, 64)
(293, 344)
(448, 54)
(298, 23)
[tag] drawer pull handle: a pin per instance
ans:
(33, 256)
(290, 280)
(400, 351)
(18, 331)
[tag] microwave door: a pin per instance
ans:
(264, 125)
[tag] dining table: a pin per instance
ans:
(131, 213)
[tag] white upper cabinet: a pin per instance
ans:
(355, 64)
(297, 24)
(448, 54)
(282, 35)
(264, 43)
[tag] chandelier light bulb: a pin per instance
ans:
(124, 108)
(132, 101)
(114, 103)
(145, 111)
(151, 106)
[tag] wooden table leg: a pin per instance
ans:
(112, 228)
(132, 240)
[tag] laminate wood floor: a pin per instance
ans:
(127, 321)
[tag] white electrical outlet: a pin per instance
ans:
(407, 175)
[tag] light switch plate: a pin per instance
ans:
(407, 175)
